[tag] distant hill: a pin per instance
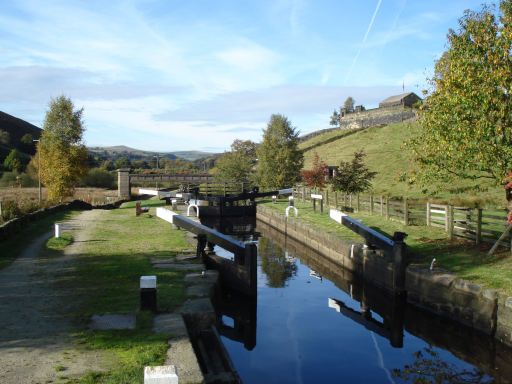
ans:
(17, 128)
(114, 152)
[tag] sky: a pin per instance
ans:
(176, 75)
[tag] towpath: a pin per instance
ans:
(36, 323)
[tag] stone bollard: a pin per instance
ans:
(57, 230)
(290, 199)
(165, 374)
(274, 198)
(148, 293)
(174, 203)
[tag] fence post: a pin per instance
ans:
(381, 207)
(358, 205)
(428, 213)
(478, 235)
(345, 201)
(387, 208)
(327, 197)
(406, 212)
(350, 198)
(336, 199)
(371, 204)
(449, 221)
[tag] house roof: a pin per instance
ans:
(396, 98)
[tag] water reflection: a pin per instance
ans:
(315, 322)
(277, 265)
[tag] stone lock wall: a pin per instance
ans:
(373, 267)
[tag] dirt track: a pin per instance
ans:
(36, 326)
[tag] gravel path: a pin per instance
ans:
(36, 325)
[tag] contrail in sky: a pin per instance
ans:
(364, 41)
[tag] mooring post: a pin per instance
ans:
(201, 245)
(314, 205)
(399, 262)
(148, 293)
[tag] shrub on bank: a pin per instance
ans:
(100, 178)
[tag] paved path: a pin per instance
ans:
(35, 317)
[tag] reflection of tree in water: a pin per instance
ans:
(430, 369)
(274, 263)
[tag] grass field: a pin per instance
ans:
(423, 244)
(385, 155)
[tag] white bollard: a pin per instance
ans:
(165, 374)
(174, 204)
(57, 230)
(274, 198)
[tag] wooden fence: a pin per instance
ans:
(478, 225)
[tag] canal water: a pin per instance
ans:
(313, 322)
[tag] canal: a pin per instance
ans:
(313, 322)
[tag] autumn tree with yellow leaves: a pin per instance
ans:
(467, 122)
(61, 150)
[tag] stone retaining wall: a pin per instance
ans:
(378, 116)
(17, 224)
(436, 291)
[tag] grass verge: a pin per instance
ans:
(424, 243)
(59, 243)
(14, 246)
(106, 280)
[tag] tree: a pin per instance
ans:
(62, 153)
(4, 137)
(428, 368)
(28, 143)
(274, 263)
(122, 162)
(14, 161)
(317, 176)
(349, 104)
(237, 165)
(279, 158)
(353, 177)
(467, 125)
(335, 118)
(348, 107)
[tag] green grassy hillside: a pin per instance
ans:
(385, 156)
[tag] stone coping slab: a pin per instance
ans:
(210, 276)
(156, 260)
(201, 290)
(170, 323)
(113, 321)
(179, 266)
(187, 257)
(197, 307)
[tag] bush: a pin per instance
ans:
(99, 178)
(13, 179)
(12, 209)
